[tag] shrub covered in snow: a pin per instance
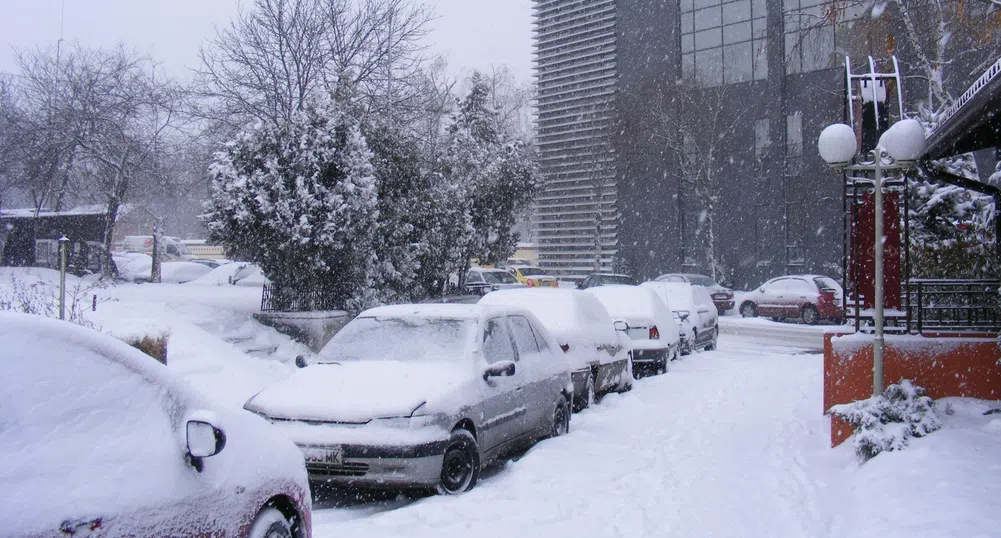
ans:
(887, 422)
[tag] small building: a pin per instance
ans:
(30, 238)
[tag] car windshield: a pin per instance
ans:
(705, 281)
(617, 279)
(404, 339)
(824, 282)
(498, 277)
(532, 271)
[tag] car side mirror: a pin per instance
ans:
(300, 361)
(620, 325)
(204, 440)
(761, 290)
(499, 369)
(684, 316)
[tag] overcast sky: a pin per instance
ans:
(472, 34)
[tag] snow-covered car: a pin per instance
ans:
(604, 279)
(580, 325)
(651, 326)
(722, 295)
(422, 395)
(99, 439)
(695, 312)
(532, 276)
(483, 280)
(810, 298)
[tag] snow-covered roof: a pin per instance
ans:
(448, 311)
(93, 209)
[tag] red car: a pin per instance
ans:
(807, 297)
(98, 439)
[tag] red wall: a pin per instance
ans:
(943, 366)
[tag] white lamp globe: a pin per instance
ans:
(837, 144)
(904, 141)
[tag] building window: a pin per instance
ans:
(794, 143)
(762, 138)
(724, 42)
(809, 36)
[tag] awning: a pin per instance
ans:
(974, 122)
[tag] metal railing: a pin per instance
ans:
(953, 306)
(275, 298)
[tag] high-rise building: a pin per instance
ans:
(616, 193)
(575, 217)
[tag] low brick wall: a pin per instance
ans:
(946, 366)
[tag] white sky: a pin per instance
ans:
(472, 34)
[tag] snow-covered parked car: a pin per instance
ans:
(483, 280)
(722, 295)
(651, 326)
(694, 311)
(599, 354)
(423, 395)
(99, 439)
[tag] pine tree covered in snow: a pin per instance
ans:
(301, 201)
(490, 178)
(887, 422)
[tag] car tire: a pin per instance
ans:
(686, 347)
(778, 319)
(810, 315)
(460, 466)
(748, 310)
(711, 346)
(561, 419)
(270, 523)
(720, 311)
(695, 339)
(662, 366)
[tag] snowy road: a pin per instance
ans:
(717, 447)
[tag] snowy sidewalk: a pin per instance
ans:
(717, 447)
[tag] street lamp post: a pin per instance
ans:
(898, 149)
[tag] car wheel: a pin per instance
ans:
(721, 311)
(810, 315)
(460, 467)
(686, 347)
(695, 339)
(270, 523)
(561, 420)
(778, 319)
(662, 366)
(748, 310)
(712, 343)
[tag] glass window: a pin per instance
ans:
(473, 277)
(736, 12)
(810, 36)
(524, 337)
(496, 342)
(687, 23)
(687, 43)
(708, 39)
(736, 33)
(794, 134)
(405, 339)
(761, 137)
(737, 63)
(707, 18)
(709, 66)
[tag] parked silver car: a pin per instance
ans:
(695, 311)
(423, 395)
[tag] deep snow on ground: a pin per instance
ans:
(727, 443)
(731, 442)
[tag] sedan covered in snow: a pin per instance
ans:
(810, 298)
(722, 295)
(693, 309)
(483, 280)
(650, 324)
(598, 354)
(422, 395)
(99, 439)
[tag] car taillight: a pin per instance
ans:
(654, 333)
(827, 295)
(530, 282)
(565, 347)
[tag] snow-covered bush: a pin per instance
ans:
(887, 422)
(41, 299)
(300, 200)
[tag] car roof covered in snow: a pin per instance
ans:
(562, 311)
(447, 311)
(678, 295)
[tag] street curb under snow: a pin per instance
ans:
(808, 337)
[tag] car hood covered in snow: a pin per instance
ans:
(359, 391)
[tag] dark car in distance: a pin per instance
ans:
(605, 279)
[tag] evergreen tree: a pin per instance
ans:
(301, 201)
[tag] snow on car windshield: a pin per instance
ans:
(498, 277)
(410, 339)
(700, 280)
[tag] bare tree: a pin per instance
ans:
(694, 121)
(279, 52)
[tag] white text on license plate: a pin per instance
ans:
(331, 455)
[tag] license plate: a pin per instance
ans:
(331, 455)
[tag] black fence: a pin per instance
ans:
(276, 298)
(953, 306)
